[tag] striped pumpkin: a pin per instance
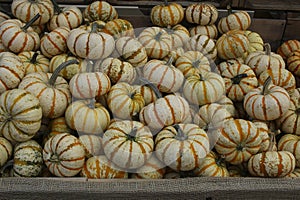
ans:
(238, 140)
(290, 143)
(182, 147)
(180, 35)
(260, 61)
(201, 13)
(87, 26)
(167, 14)
(90, 44)
(89, 85)
(293, 63)
(256, 42)
(212, 165)
(92, 145)
(27, 9)
(239, 20)
(157, 42)
(164, 75)
(175, 54)
(39, 29)
(267, 102)
(192, 62)
(52, 90)
(2, 47)
(17, 36)
(64, 155)
(128, 144)
(117, 70)
(147, 92)
(124, 102)
(6, 150)
(34, 62)
(99, 167)
(204, 44)
(3, 17)
(100, 10)
(28, 159)
(20, 115)
(263, 130)
(11, 71)
(288, 47)
(87, 117)
(294, 174)
(210, 30)
(227, 63)
(204, 88)
(54, 43)
(132, 51)
(119, 28)
(239, 80)
(228, 104)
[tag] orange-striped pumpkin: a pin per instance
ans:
(100, 10)
(119, 28)
(87, 26)
(180, 35)
(227, 63)
(267, 102)
(2, 47)
(263, 130)
(228, 104)
(239, 20)
(92, 145)
(201, 13)
(147, 92)
(167, 14)
(182, 146)
(99, 167)
(290, 143)
(204, 88)
(157, 42)
(294, 174)
(239, 139)
(3, 17)
(27, 9)
(12, 71)
(288, 47)
(6, 151)
(132, 51)
(293, 63)
(192, 62)
(210, 30)
(212, 165)
(64, 155)
(204, 44)
(86, 116)
(256, 42)
(128, 144)
(21, 115)
(34, 62)
(39, 29)
(54, 43)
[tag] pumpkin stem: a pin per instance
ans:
(240, 147)
(33, 59)
(56, 72)
(166, 2)
(170, 61)
(152, 86)
(180, 134)
(158, 35)
(229, 9)
(266, 86)
(90, 66)
(95, 27)
(7, 164)
(196, 63)
(272, 141)
(132, 135)
(237, 79)
(91, 103)
(220, 160)
(56, 7)
(201, 77)
(28, 24)
(268, 48)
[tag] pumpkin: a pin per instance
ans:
(212, 165)
(182, 146)
(6, 149)
(147, 92)
(25, 10)
(255, 41)
(17, 36)
(34, 62)
(263, 130)
(232, 44)
(39, 29)
(260, 61)
(70, 17)
(2, 47)
(294, 174)
(89, 85)
(180, 35)
(20, 115)
(100, 10)
(28, 159)
(239, 139)
(64, 155)
(167, 14)
(210, 30)
(239, 80)
(267, 102)
(92, 145)
(132, 51)
(3, 17)
(99, 167)
(124, 102)
(293, 63)
(119, 28)
(164, 75)
(87, 116)
(288, 47)
(117, 70)
(204, 44)
(175, 54)
(87, 26)
(201, 13)
(290, 143)
(227, 63)
(128, 144)
(192, 62)
(54, 43)
(11, 71)
(228, 104)
(204, 88)
(90, 44)
(157, 42)
(52, 91)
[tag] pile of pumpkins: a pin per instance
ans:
(83, 94)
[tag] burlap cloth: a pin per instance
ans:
(186, 188)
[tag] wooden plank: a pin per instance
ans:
(293, 22)
(285, 5)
